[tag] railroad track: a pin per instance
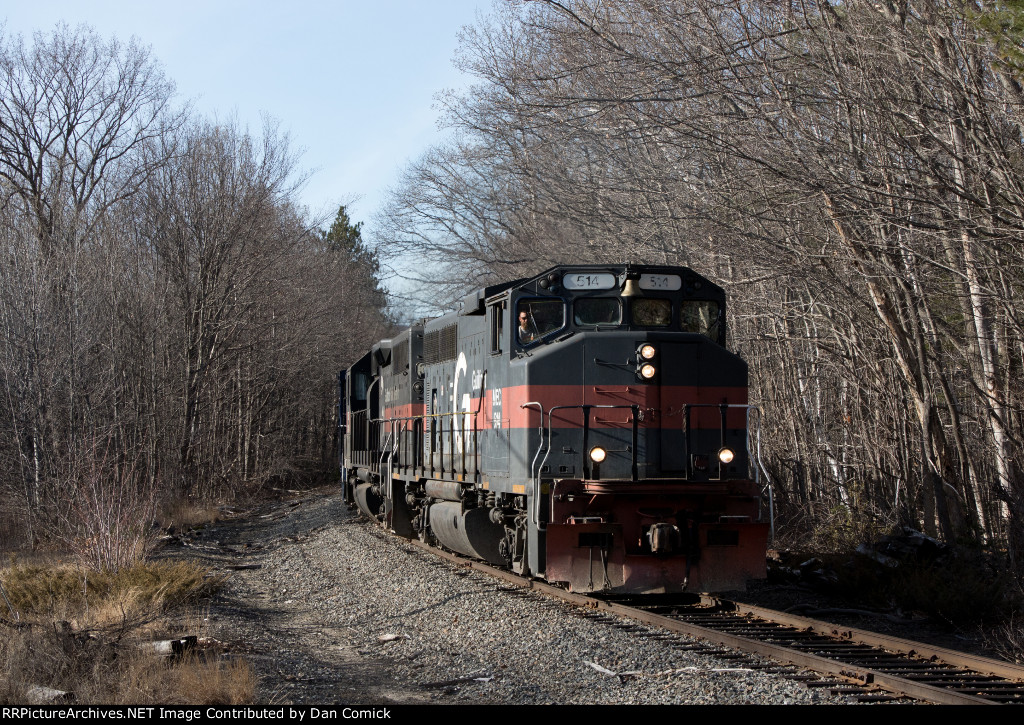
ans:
(862, 658)
(862, 664)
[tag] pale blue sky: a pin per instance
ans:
(352, 82)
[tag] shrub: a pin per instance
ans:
(958, 589)
(108, 520)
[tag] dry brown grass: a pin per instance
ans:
(217, 682)
(206, 678)
(83, 632)
(101, 599)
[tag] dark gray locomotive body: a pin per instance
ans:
(586, 426)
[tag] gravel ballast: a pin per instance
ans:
(330, 609)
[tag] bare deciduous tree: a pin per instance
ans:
(162, 297)
(852, 173)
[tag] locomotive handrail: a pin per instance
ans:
(752, 412)
(586, 408)
(360, 449)
(770, 487)
(468, 434)
(758, 465)
(369, 390)
(384, 452)
(540, 429)
(753, 443)
(425, 415)
(451, 433)
(403, 419)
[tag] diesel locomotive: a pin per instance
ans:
(586, 426)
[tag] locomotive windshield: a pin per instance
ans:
(597, 311)
(700, 316)
(655, 308)
(652, 312)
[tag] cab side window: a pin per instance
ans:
(360, 382)
(496, 313)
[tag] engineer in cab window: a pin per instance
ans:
(526, 332)
(538, 318)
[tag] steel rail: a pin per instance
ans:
(864, 676)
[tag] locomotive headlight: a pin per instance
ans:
(726, 455)
(598, 454)
(647, 352)
(647, 371)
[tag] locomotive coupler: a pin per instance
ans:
(664, 538)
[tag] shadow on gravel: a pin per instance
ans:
(435, 605)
